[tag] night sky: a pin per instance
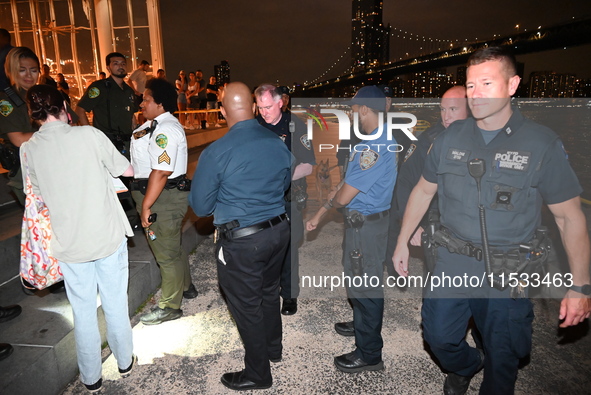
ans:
(296, 41)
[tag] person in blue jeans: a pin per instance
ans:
(89, 226)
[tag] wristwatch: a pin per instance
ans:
(583, 289)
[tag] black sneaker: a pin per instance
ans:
(126, 372)
(158, 315)
(96, 387)
(190, 293)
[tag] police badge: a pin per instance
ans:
(367, 159)
(306, 142)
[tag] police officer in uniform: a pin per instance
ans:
(160, 190)
(112, 102)
(347, 328)
(453, 107)
(294, 133)
(245, 194)
(15, 123)
(524, 163)
(366, 195)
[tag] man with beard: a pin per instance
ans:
(112, 102)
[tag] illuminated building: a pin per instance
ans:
(222, 72)
(551, 84)
(370, 41)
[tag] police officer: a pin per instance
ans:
(366, 194)
(293, 132)
(453, 107)
(523, 163)
(404, 142)
(22, 68)
(160, 190)
(245, 195)
(112, 102)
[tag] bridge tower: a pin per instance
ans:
(370, 38)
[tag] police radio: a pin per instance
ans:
(477, 168)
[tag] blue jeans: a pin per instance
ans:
(110, 275)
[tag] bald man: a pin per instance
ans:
(245, 196)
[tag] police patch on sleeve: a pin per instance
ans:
(5, 107)
(367, 159)
(161, 140)
(94, 92)
(306, 142)
(164, 158)
(410, 151)
(514, 160)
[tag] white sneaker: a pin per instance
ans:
(217, 125)
(206, 125)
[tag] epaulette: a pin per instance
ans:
(13, 96)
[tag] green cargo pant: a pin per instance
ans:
(171, 207)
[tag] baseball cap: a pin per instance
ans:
(370, 96)
(386, 89)
(284, 90)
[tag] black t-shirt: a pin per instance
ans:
(296, 140)
(212, 96)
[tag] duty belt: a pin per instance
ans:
(140, 184)
(459, 246)
(376, 216)
(229, 233)
(354, 219)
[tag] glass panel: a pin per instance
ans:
(79, 16)
(122, 43)
(62, 15)
(28, 41)
(24, 16)
(66, 60)
(140, 13)
(119, 9)
(84, 46)
(6, 17)
(142, 45)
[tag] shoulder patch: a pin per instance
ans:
(410, 151)
(94, 92)
(306, 141)
(6, 107)
(161, 140)
(368, 159)
(164, 158)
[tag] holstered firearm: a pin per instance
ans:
(427, 239)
